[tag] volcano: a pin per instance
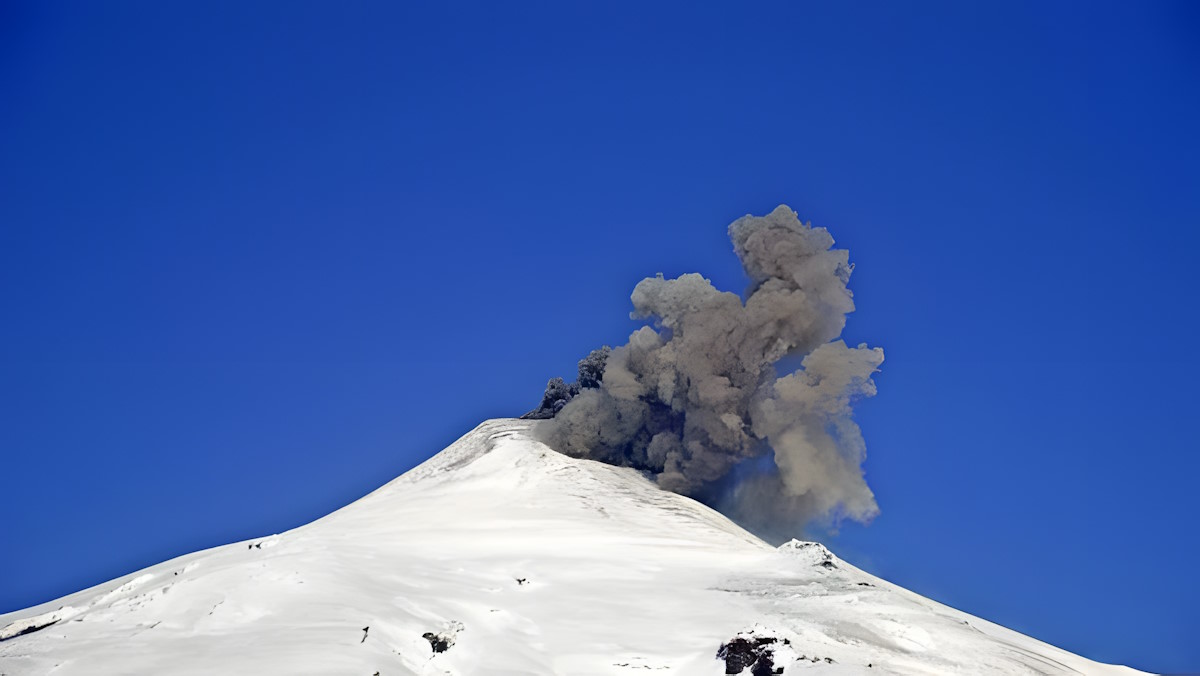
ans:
(500, 555)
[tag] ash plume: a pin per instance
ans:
(695, 398)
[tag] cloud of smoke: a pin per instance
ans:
(695, 397)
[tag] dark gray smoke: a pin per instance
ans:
(695, 398)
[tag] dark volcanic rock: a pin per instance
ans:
(439, 643)
(754, 652)
(29, 630)
(442, 640)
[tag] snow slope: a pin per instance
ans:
(522, 561)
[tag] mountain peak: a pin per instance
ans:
(500, 555)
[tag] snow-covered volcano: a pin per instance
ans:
(501, 556)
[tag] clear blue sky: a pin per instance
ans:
(256, 261)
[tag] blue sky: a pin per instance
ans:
(257, 260)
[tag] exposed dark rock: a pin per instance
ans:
(754, 652)
(438, 642)
(29, 630)
(441, 641)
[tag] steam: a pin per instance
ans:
(695, 399)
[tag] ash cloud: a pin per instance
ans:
(695, 398)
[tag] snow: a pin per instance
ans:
(522, 561)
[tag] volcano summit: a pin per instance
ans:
(500, 555)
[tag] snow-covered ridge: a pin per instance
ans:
(501, 556)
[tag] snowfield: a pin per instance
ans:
(510, 558)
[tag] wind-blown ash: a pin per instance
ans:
(695, 395)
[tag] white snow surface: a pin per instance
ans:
(529, 562)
